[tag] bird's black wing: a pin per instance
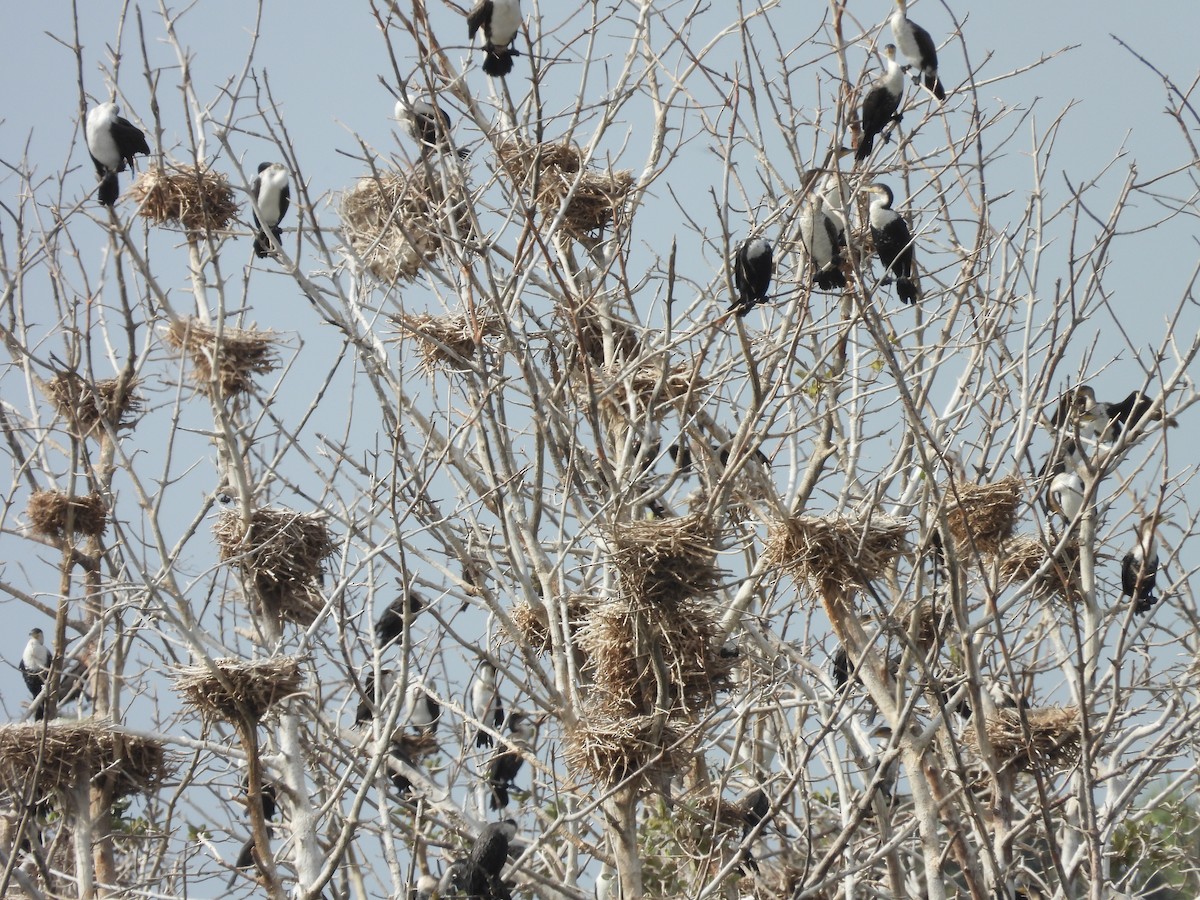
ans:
(285, 200)
(478, 18)
(34, 680)
(929, 62)
(131, 141)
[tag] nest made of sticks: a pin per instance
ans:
(661, 562)
(612, 749)
(836, 555)
(583, 331)
(235, 690)
(98, 751)
(448, 341)
(552, 170)
(1019, 558)
(283, 551)
(1052, 742)
(534, 623)
(981, 516)
(86, 405)
(196, 199)
(55, 514)
(397, 221)
(229, 357)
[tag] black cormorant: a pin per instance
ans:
(500, 21)
(272, 196)
(1139, 568)
(267, 794)
(1129, 412)
(506, 763)
(918, 48)
(893, 243)
(485, 703)
(112, 141)
(427, 124)
(753, 264)
(390, 624)
(882, 104)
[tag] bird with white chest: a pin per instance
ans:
(881, 106)
(35, 666)
(113, 141)
(500, 20)
(272, 197)
(427, 123)
(893, 243)
(918, 48)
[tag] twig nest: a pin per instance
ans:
(551, 171)
(614, 749)
(1052, 742)
(664, 561)
(399, 220)
(55, 514)
(127, 763)
(583, 331)
(534, 623)
(1018, 559)
(230, 357)
(87, 405)
(233, 689)
(195, 199)
(449, 341)
(283, 551)
(981, 516)
(836, 555)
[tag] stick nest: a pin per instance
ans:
(86, 405)
(448, 341)
(230, 357)
(534, 623)
(612, 749)
(981, 516)
(583, 329)
(661, 562)
(283, 551)
(55, 514)
(397, 221)
(552, 170)
(1053, 740)
(836, 555)
(233, 690)
(1019, 559)
(193, 198)
(128, 763)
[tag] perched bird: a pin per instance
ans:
(1129, 412)
(271, 196)
(1078, 410)
(425, 888)
(506, 763)
(893, 243)
(882, 104)
(490, 850)
(753, 807)
(267, 796)
(427, 124)
(1066, 493)
(500, 21)
(399, 758)
(758, 456)
(606, 883)
(1139, 568)
(840, 667)
(35, 666)
(918, 48)
(681, 455)
(753, 264)
(374, 690)
(246, 858)
(113, 141)
(823, 239)
(390, 624)
(423, 711)
(485, 703)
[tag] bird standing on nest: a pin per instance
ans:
(35, 666)
(500, 21)
(112, 142)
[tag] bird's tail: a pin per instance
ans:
(499, 795)
(499, 61)
(110, 189)
(907, 288)
(934, 84)
(865, 146)
(262, 244)
(831, 278)
(483, 739)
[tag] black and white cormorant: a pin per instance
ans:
(35, 666)
(485, 703)
(271, 196)
(500, 21)
(918, 48)
(882, 104)
(753, 265)
(427, 124)
(1139, 568)
(374, 690)
(1078, 411)
(423, 711)
(823, 233)
(1066, 492)
(1129, 412)
(390, 624)
(506, 763)
(893, 243)
(113, 141)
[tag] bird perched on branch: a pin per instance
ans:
(1129, 412)
(271, 195)
(485, 703)
(268, 797)
(1139, 568)
(753, 265)
(505, 764)
(881, 106)
(823, 233)
(35, 666)
(375, 688)
(500, 21)
(918, 48)
(423, 711)
(427, 124)
(1066, 492)
(893, 243)
(488, 855)
(390, 624)
(113, 141)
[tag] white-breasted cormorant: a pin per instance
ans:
(823, 234)
(375, 689)
(918, 48)
(1066, 493)
(882, 103)
(113, 141)
(427, 124)
(485, 703)
(423, 711)
(35, 666)
(500, 21)
(1139, 568)
(272, 196)
(893, 243)
(507, 762)
(753, 265)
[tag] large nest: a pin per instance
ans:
(534, 623)
(103, 754)
(584, 330)
(1052, 741)
(55, 514)
(551, 171)
(283, 551)
(1019, 559)
(836, 555)
(664, 561)
(613, 749)
(229, 357)
(195, 199)
(981, 516)
(448, 341)
(235, 690)
(398, 220)
(86, 405)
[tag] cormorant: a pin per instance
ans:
(819, 232)
(882, 104)
(267, 795)
(490, 850)
(112, 142)
(1078, 409)
(390, 624)
(246, 857)
(893, 243)
(1066, 493)
(753, 264)
(35, 666)
(681, 455)
(1128, 413)
(272, 196)
(485, 703)
(505, 764)
(374, 690)
(425, 888)
(423, 711)
(1139, 568)
(753, 808)
(427, 124)
(500, 21)
(840, 667)
(918, 48)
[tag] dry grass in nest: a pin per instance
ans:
(611, 749)
(981, 516)
(553, 169)
(665, 561)
(584, 329)
(241, 689)
(86, 405)
(534, 623)
(396, 222)
(1053, 741)
(130, 764)
(233, 355)
(55, 514)
(283, 551)
(448, 341)
(834, 555)
(1019, 558)
(195, 199)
